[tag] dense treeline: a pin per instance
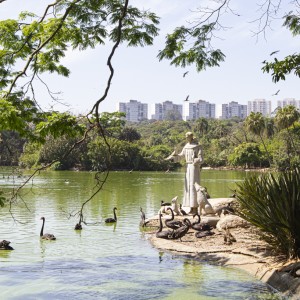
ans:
(254, 142)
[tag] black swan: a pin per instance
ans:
(201, 234)
(171, 223)
(114, 219)
(46, 236)
(4, 245)
(200, 226)
(163, 234)
(182, 231)
(78, 226)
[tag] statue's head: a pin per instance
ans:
(189, 136)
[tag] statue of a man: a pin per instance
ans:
(192, 152)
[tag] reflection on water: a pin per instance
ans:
(108, 261)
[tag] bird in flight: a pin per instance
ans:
(185, 73)
(276, 93)
(274, 52)
(187, 98)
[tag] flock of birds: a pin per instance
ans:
(176, 228)
(5, 245)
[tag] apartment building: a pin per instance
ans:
(234, 110)
(135, 111)
(260, 105)
(161, 111)
(199, 109)
(289, 101)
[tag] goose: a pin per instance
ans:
(163, 234)
(171, 223)
(114, 219)
(4, 245)
(46, 236)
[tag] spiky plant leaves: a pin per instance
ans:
(271, 202)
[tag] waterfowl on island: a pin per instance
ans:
(163, 234)
(226, 209)
(228, 237)
(183, 212)
(143, 221)
(171, 223)
(200, 226)
(181, 231)
(162, 203)
(4, 245)
(46, 236)
(201, 234)
(114, 219)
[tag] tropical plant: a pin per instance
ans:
(256, 124)
(285, 118)
(272, 204)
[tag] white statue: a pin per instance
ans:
(204, 206)
(192, 152)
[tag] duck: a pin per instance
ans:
(163, 234)
(4, 245)
(46, 236)
(114, 219)
(171, 223)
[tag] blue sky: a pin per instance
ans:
(140, 76)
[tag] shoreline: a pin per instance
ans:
(247, 253)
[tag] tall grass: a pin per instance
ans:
(271, 202)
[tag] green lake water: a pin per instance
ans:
(107, 261)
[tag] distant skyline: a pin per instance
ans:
(140, 76)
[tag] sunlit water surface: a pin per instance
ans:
(107, 261)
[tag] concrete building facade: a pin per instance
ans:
(135, 111)
(160, 111)
(260, 105)
(199, 109)
(234, 110)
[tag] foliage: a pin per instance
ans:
(246, 154)
(129, 134)
(272, 203)
(11, 147)
(123, 155)
(291, 63)
(31, 155)
(186, 46)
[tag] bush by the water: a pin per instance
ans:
(271, 202)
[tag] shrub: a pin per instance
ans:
(272, 203)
